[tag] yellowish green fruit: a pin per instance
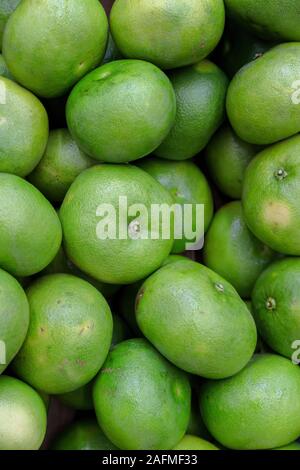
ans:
(23, 129)
(113, 259)
(189, 298)
(50, 44)
(169, 34)
(258, 408)
(276, 306)
(14, 318)
(30, 230)
(271, 192)
(260, 113)
(23, 417)
(121, 111)
(69, 334)
(147, 405)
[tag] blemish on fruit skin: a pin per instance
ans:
(277, 213)
(219, 286)
(139, 297)
(86, 327)
(42, 330)
(108, 370)
(80, 362)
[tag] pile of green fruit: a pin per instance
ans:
(186, 102)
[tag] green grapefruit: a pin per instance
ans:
(69, 334)
(119, 256)
(14, 318)
(194, 317)
(169, 34)
(271, 192)
(258, 408)
(227, 158)
(30, 230)
(142, 402)
(23, 129)
(23, 417)
(50, 44)
(276, 305)
(121, 111)
(200, 96)
(261, 113)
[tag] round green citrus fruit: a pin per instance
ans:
(187, 185)
(227, 157)
(50, 44)
(62, 162)
(271, 192)
(69, 334)
(141, 400)
(23, 417)
(258, 408)
(6, 9)
(270, 19)
(121, 111)
(30, 231)
(61, 264)
(83, 435)
(169, 34)
(200, 95)
(194, 443)
(102, 237)
(276, 305)
(212, 319)
(232, 251)
(14, 318)
(23, 129)
(262, 101)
